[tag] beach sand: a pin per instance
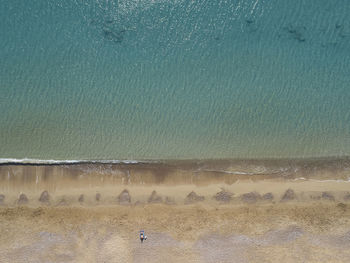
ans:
(215, 218)
(316, 232)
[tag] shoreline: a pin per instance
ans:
(35, 161)
(175, 181)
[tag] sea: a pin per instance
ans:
(174, 79)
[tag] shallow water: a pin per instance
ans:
(174, 79)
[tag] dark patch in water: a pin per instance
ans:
(114, 35)
(251, 25)
(297, 32)
(249, 21)
(98, 197)
(341, 30)
(110, 20)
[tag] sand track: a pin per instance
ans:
(180, 233)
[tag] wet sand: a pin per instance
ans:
(92, 213)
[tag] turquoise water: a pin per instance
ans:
(142, 79)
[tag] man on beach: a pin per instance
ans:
(142, 236)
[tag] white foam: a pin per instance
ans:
(245, 173)
(51, 161)
(226, 172)
(323, 181)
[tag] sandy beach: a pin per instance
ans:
(219, 129)
(62, 214)
(317, 232)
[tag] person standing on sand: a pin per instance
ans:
(142, 236)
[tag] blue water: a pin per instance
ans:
(142, 79)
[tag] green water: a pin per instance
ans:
(174, 79)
